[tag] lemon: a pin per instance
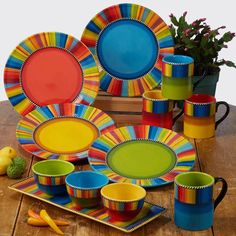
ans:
(8, 151)
(5, 161)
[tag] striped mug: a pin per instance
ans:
(157, 110)
(199, 116)
(194, 204)
(177, 72)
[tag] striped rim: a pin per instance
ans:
(181, 69)
(134, 87)
(193, 194)
(200, 109)
(12, 73)
(183, 149)
(154, 102)
(27, 125)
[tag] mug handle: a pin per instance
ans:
(194, 87)
(226, 112)
(222, 192)
(200, 80)
(178, 116)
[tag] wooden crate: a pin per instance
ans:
(124, 110)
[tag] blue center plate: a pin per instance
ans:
(127, 49)
(128, 42)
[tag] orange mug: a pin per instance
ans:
(199, 116)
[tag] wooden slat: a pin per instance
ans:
(107, 103)
(125, 119)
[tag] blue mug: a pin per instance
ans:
(194, 204)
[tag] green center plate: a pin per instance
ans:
(148, 156)
(141, 159)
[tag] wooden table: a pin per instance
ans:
(216, 156)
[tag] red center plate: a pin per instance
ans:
(50, 68)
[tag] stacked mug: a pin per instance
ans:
(177, 72)
(199, 116)
(199, 109)
(157, 110)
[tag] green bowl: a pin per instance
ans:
(50, 175)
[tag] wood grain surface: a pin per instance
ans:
(216, 156)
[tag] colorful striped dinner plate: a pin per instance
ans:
(148, 156)
(129, 42)
(62, 131)
(50, 68)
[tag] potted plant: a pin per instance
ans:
(203, 44)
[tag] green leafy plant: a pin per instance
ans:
(200, 42)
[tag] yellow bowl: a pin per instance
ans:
(123, 200)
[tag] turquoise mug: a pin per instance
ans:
(194, 204)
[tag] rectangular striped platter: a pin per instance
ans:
(148, 213)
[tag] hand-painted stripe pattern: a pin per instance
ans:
(177, 70)
(122, 206)
(185, 153)
(27, 125)
(50, 180)
(83, 193)
(199, 109)
(148, 212)
(136, 87)
(193, 195)
(157, 106)
(13, 87)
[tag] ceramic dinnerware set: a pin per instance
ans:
(52, 78)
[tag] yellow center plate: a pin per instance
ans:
(66, 135)
(62, 131)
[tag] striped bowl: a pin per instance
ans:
(123, 200)
(84, 188)
(50, 175)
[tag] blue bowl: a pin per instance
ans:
(84, 188)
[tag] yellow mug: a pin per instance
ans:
(199, 116)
